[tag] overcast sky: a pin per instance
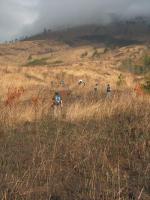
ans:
(21, 17)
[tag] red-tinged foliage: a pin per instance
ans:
(65, 93)
(138, 90)
(35, 100)
(13, 95)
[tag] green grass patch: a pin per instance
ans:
(83, 55)
(56, 62)
(121, 80)
(147, 60)
(35, 62)
(129, 66)
(42, 62)
(146, 85)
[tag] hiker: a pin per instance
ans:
(108, 90)
(81, 82)
(96, 87)
(62, 83)
(57, 104)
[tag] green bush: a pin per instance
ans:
(42, 61)
(96, 54)
(136, 69)
(121, 80)
(83, 55)
(58, 62)
(127, 65)
(147, 61)
(146, 85)
(30, 57)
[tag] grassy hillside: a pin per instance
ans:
(97, 148)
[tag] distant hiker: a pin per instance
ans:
(108, 91)
(62, 83)
(81, 82)
(96, 87)
(57, 104)
(57, 99)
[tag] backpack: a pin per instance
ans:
(57, 99)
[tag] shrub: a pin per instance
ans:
(42, 61)
(147, 61)
(128, 65)
(30, 57)
(146, 85)
(121, 80)
(57, 62)
(96, 54)
(83, 55)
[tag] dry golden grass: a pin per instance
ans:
(14, 57)
(98, 149)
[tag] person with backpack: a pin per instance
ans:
(108, 91)
(57, 99)
(57, 104)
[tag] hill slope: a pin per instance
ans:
(94, 148)
(89, 52)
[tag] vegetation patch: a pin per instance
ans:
(96, 54)
(85, 54)
(143, 68)
(129, 66)
(30, 57)
(146, 85)
(146, 62)
(35, 62)
(121, 80)
(56, 62)
(108, 40)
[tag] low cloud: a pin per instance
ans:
(18, 17)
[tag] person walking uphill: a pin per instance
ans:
(57, 104)
(108, 91)
(81, 82)
(96, 88)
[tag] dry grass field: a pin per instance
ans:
(98, 148)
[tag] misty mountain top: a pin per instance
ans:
(19, 18)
